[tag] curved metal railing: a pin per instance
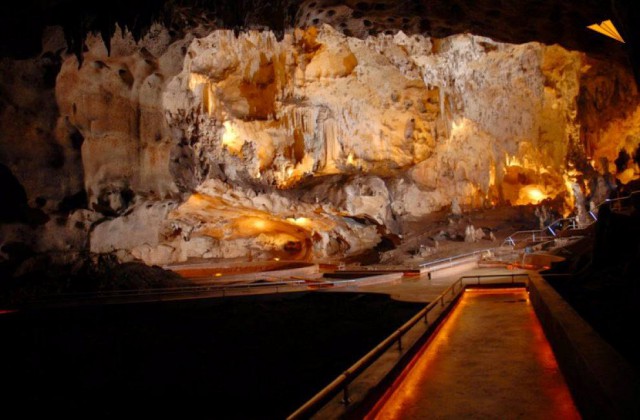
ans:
(540, 234)
(613, 200)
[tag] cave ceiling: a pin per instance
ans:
(515, 21)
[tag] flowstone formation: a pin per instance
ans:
(313, 146)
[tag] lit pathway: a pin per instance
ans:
(425, 289)
(489, 360)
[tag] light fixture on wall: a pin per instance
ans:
(607, 28)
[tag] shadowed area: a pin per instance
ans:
(256, 357)
(516, 21)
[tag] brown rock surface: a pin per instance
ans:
(310, 146)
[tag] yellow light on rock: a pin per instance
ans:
(460, 126)
(259, 224)
(350, 159)
(195, 80)
(626, 176)
(300, 221)
(536, 195)
(231, 138)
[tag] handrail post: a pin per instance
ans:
(345, 395)
(400, 343)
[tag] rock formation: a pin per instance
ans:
(221, 144)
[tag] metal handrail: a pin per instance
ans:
(626, 197)
(345, 378)
(342, 382)
(175, 290)
(211, 288)
(511, 239)
(574, 220)
(481, 276)
(456, 257)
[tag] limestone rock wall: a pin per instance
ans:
(114, 102)
(610, 118)
(314, 145)
(312, 104)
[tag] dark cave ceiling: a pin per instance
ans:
(549, 21)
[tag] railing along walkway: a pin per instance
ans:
(418, 325)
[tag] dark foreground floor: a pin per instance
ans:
(258, 357)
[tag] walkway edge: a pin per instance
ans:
(373, 383)
(603, 384)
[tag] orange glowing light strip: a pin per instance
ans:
(426, 353)
(495, 289)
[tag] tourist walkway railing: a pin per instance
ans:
(172, 291)
(456, 259)
(570, 223)
(620, 199)
(268, 285)
(342, 383)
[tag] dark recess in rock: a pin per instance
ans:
(622, 160)
(73, 202)
(56, 159)
(51, 64)
(15, 207)
(17, 253)
(76, 139)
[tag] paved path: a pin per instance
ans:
(425, 289)
(490, 360)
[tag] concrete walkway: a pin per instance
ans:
(425, 288)
(490, 360)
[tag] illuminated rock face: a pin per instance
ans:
(465, 118)
(313, 146)
(115, 102)
(275, 112)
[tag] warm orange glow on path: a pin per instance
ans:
(490, 359)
